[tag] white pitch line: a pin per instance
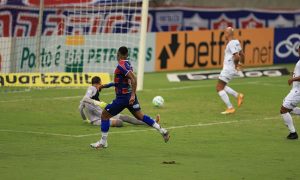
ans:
(198, 86)
(105, 94)
(53, 98)
(115, 132)
(142, 130)
(172, 127)
(278, 85)
(36, 132)
(183, 126)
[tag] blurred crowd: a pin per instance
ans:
(277, 4)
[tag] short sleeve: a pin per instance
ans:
(124, 68)
(235, 47)
(91, 91)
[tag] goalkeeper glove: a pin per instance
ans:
(101, 104)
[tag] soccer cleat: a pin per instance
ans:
(165, 134)
(98, 145)
(240, 99)
(228, 111)
(292, 136)
(157, 118)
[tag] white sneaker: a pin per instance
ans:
(99, 145)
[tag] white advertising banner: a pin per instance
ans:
(5, 47)
(79, 53)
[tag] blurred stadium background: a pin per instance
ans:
(82, 37)
(48, 47)
(277, 4)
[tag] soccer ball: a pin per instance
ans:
(158, 101)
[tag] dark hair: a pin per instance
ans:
(123, 51)
(96, 80)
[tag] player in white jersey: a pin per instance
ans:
(91, 107)
(291, 101)
(233, 58)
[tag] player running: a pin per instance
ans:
(233, 57)
(91, 107)
(125, 87)
(291, 101)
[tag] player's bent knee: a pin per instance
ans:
(219, 87)
(284, 110)
(105, 115)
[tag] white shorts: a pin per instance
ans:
(226, 75)
(93, 112)
(292, 99)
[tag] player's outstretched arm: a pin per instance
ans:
(87, 99)
(101, 104)
(111, 84)
(290, 81)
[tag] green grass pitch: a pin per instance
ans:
(43, 137)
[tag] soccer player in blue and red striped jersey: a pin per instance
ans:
(125, 86)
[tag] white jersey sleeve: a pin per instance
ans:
(231, 48)
(234, 46)
(91, 91)
(296, 84)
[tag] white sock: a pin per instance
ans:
(157, 126)
(289, 121)
(296, 111)
(229, 90)
(225, 98)
(104, 138)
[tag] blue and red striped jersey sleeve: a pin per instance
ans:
(124, 67)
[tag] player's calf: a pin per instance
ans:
(288, 120)
(116, 122)
(220, 85)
